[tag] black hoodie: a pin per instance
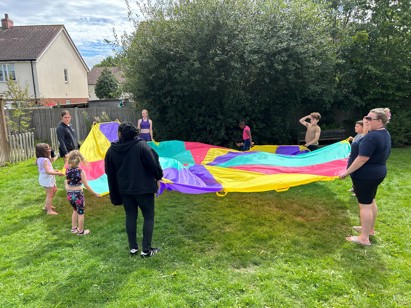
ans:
(67, 139)
(132, 168)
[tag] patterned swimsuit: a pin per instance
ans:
(75, 197)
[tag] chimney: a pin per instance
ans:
(6, 23)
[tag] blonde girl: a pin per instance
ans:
(145, 126)
(75, 179)
(46, 175)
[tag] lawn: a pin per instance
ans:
(243, 250)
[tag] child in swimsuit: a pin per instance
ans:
(75, 179)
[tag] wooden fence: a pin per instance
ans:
(43, 119)
(54, 143)
(21, 147)
(43, 125)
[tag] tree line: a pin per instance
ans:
(202, 66)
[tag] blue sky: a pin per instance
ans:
(89, 23)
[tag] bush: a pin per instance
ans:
(399, 126)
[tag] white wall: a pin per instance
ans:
(91, 93)
(23, 76)
(50, 69)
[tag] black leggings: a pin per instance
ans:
(146, 204)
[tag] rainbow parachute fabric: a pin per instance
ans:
(196, 168)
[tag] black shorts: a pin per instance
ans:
(365, 189)
(312, 147)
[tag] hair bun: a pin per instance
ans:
(388, 114)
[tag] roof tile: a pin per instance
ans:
(26, 42)
(95, 73)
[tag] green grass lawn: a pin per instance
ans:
(243, 250)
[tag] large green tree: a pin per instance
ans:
(375, 60)
(106, 85)
(202, 66)
(110, 61)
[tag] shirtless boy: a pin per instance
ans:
(313, 130)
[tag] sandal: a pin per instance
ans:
(74, 230)
(84, 232)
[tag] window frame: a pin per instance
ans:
(66, 75)
(7, 71)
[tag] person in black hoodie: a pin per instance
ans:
(65, 135)
(133, 173)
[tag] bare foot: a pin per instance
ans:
(356, 240)
(358, 229)
(52, 213)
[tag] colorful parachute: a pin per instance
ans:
(195, 168)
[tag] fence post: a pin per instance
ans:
(12, 148)
(32, 145)
(77, 128)
(4, 142)
(26, 145)
(53, 137)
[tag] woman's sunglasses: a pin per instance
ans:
(370, 119)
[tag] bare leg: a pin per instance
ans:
(54, 190)
(74, 218)
(80, 225)
(374, 214)
(374, 218)
(367, 220)
(50, 191)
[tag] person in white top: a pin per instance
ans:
(46, 175)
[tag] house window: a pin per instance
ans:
(66, 77)
(7, 72)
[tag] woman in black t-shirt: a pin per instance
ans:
(367, 168)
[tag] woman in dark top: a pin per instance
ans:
(367, 168)
(65, 135)
(133, 174)
(145, 126)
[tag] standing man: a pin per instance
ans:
(65, 135)
(133, 173)
(313, 130)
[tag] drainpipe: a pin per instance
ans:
(34, 83)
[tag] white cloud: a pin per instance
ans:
(89, 23)
(91, 61)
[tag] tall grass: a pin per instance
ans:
(244, 250)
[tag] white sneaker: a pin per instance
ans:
(150, 253)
